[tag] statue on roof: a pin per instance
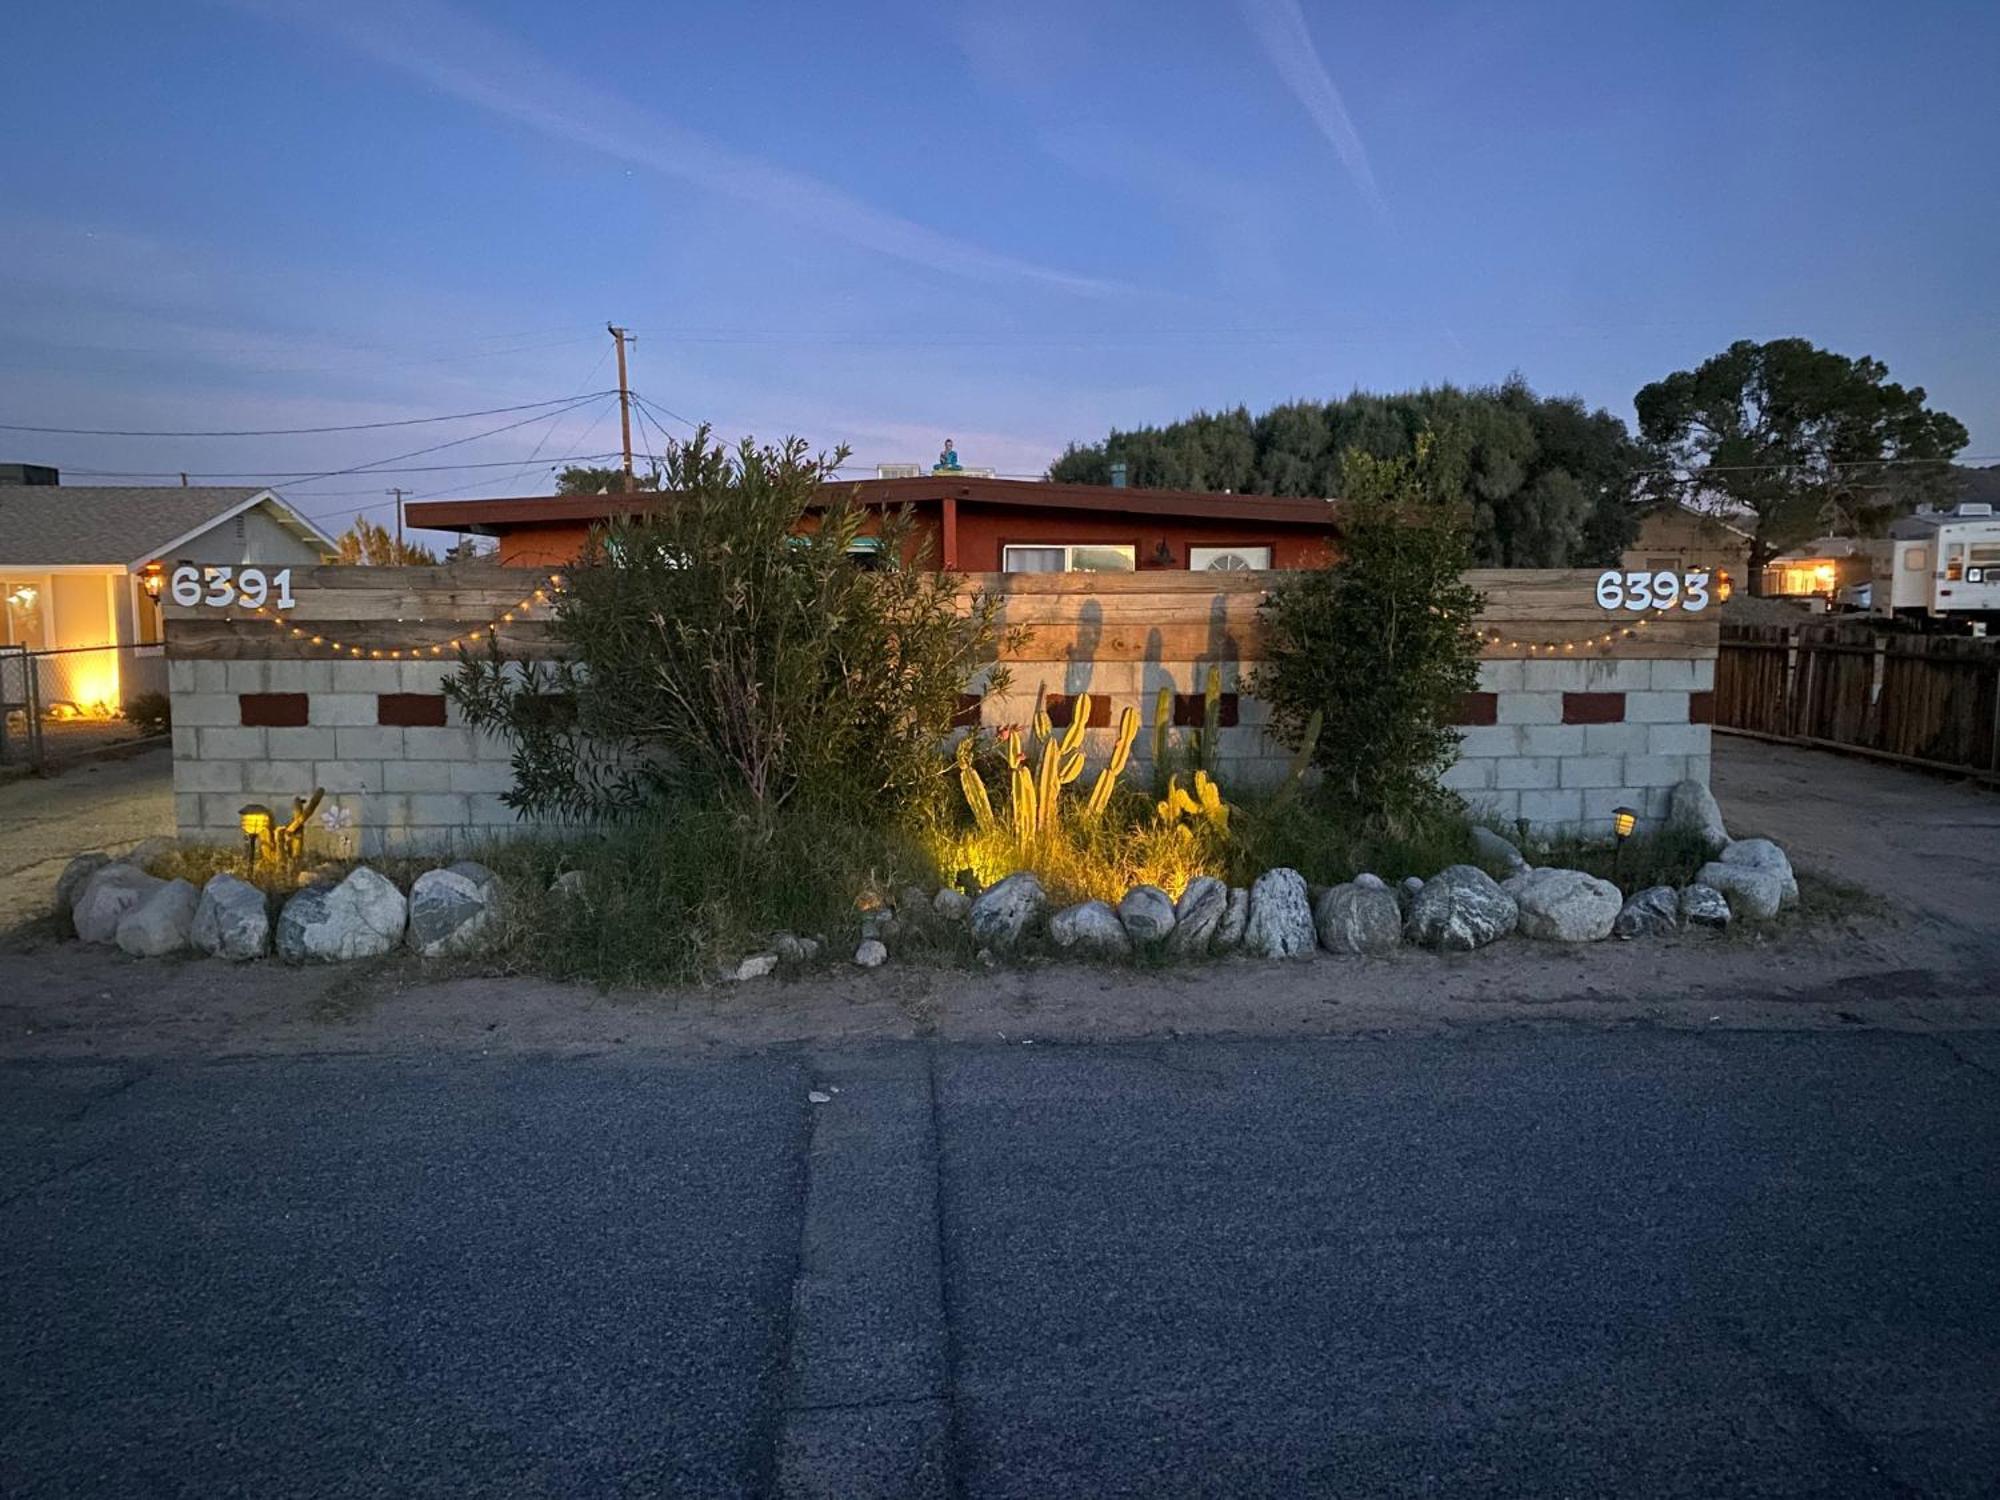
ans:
(948, 460)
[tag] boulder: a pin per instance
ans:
(1762, 854)
(871, 954)
(452, 910)
(1692, 806)
(793, 949)
(1148, 915)
(1704, 906)
(1653, 912)
(107, 894)
(756, 966)
(1235, 917)
(1494, 850)
(146, 851)
(1003, 914)
(160, 923)
(1565, 906)
(1371, 882)
(232, 920)
(69, 885)
(1459, 909)
(1750, 892)
(951, 903)
(1359, 918)
(362, 917)
(1090, 928)
(1281, 921)
(568, 886)
(474, 871)
(1408, 891)
(1197, 917)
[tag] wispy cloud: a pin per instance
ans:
(1280, 29)
(472, 62)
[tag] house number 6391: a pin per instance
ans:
(220, 584)
(1661, 590)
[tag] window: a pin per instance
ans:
(1084, 557)
(1985, 556)
(1916, 560)
(22, 601)
(1231, 559)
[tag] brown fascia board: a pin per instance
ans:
(488, 517)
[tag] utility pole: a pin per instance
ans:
(621, 337)
(397, 557)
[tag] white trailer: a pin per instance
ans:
(1940, 566)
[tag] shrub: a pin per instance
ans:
(1380, 643)
(727, 648)
(150, 713)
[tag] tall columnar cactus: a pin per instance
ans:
(1211, 719)
(974, 787)
(1163, 721)
(1301, 757)
(1062, 762)
(1121, 755)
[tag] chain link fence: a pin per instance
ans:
(58, 705)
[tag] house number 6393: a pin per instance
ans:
(1662, 590)
(220, 584)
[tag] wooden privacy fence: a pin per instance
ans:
(1924, 700)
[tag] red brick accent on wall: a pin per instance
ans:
(967, 716)
(1593, 708)
(272, 710)
(1701, 708)
(1191, 709)
(1062, 708)
(1478, 708)
(410, 710)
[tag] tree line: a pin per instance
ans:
(1789, 439)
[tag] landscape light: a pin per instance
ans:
(255, 820)
(1623, 821)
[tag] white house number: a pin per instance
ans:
(221, 585)
(1642, 591)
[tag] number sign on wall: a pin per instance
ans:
(1640, 591)
(221, 585)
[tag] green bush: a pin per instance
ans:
(1381, 643)
(727, 648)
(150, 713)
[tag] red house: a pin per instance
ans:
(976, 524)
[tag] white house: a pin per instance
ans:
(81, 567)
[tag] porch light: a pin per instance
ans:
(153, 579)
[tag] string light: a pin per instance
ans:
(1601, 640)
(541, 597)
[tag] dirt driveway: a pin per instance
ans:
(106, 804)
(1930, 844)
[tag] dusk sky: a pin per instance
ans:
(1015, 224)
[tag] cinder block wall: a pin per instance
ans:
(1566, 725)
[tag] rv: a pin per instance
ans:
(1941, 566)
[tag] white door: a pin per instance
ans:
(1229, 559)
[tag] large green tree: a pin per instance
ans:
(1545, 481)
(1806, 439)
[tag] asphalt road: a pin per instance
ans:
(1509, 1261)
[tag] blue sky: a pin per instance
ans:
(1014, 223)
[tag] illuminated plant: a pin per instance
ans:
(1034, 789)
(1205, 803)
(1121, 755)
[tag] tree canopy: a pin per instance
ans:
(1809, 440)
(584, 479)
(1547, 482)
(366, 544)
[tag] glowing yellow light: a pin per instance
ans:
(254, 820)
(1623, 821)
(508, 617)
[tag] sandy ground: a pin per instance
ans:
(1902, 835)
(111, 803)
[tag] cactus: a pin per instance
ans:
(1206, 743)
(1301, 757)
(1062, 761)
(1204, 802)
(1121, 755)
(1163, 720)
(974, 787)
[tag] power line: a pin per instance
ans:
(457, 416)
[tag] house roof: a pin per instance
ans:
(61, 525)
(491, 517)
(1710, 516)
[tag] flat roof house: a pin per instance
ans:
(74, 562)
(976, 524)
